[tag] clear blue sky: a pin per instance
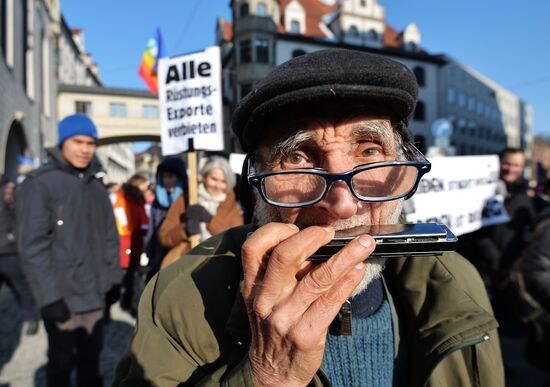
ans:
(505, 40)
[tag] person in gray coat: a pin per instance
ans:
(68, 245)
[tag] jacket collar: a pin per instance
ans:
(58, 161)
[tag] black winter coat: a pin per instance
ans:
(495, 248)
(536, 262)
(67, 237)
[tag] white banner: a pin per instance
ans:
(190, 97)
(462, 192)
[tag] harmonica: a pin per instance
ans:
(418, 239)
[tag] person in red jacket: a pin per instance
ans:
(132, 221)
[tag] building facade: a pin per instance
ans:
(28, 36)
(264, 33)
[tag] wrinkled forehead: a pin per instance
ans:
(311, 129)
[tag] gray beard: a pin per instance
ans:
(265, 213)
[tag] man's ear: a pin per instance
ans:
(246, 194)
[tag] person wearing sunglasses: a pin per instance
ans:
(328, 150)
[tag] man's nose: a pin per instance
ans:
(339, 201)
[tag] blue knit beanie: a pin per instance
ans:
(76, 125)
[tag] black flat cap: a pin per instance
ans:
(327, 75)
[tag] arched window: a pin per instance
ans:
(244, 9)
(261, 9)
(420, 112)
(353, 32)
(372, 36)
(420, 75)
(298, 52)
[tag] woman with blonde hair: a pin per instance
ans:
(216, 210)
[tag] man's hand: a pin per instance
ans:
(291, 301)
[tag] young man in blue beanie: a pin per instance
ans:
(328, 150)
(68, 244)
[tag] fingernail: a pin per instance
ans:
(292, 226)
(328, 229)
(365, 240)
(360, 266)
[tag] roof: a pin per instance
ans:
(318, 13)
(227, 30)
(314, 10)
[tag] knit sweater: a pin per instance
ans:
(366, 357)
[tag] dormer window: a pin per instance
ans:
(261, 9)
(295, 26)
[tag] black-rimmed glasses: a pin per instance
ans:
(372, 182)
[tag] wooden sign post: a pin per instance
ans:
(193, 184)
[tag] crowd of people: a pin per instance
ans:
(328, 149)
(71, 246)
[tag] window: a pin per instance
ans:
(298, 52)
(372, 36)
(451, 95)
(480, 108)
(262, 50)
(363, 3)
(3, 27)
(83, 107)
(419, 73)
(462, 125)
(471, 104)
(245, 51)
(461, 100)
(295, 26)
(245, 89)
(420, 112)
(150, 112)
(117, 109)
(353, 32)
(261, 9)
(244, 9)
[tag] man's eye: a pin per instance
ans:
(371, 152)
(295, 159)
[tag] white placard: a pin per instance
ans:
(462, 192)
(190, 97)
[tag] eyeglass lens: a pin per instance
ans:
(381, 182)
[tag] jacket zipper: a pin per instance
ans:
(448, 351)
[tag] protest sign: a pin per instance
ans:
(190, 98)
(462, 192)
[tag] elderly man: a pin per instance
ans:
(328, 150)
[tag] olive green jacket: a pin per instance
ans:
(192, 326)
